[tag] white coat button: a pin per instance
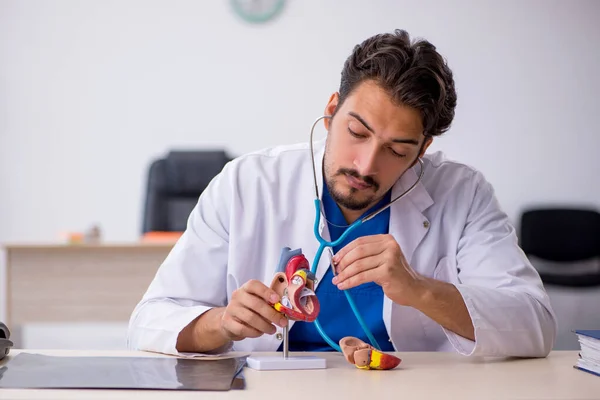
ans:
(425, 224)
(279, 336)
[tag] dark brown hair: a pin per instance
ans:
(413, 73)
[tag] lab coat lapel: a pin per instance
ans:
(408, 225)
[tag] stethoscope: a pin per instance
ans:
(330, 245)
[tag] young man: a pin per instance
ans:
(439, 270)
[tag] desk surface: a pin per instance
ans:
(429, 375)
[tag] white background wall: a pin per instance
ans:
(92, 91)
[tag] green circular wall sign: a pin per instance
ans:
(257, 11)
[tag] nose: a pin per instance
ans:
(365, 160)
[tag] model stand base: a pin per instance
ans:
(274, 363)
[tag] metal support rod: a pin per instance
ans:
(286, 341)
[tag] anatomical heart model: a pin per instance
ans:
(365, 356)
(296, 287)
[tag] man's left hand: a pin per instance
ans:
(379, 259)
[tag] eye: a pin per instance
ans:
(356, 135)
(397, 154)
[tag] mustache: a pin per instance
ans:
(353, 173)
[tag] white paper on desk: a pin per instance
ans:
(231, 354)
(207, 357)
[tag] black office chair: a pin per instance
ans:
(5, 342)
(564, 237)
(174, 185)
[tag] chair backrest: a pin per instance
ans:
(561, 234)
(174, 185)
(5, 342)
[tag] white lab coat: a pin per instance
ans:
(449, 227)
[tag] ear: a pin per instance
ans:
(428, 141)
(330, 108)
(426, 144)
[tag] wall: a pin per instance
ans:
(91, 92)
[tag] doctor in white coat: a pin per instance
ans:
(442, 269)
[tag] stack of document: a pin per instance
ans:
(589, 356)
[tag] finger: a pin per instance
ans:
(357, 267)
(259, 289)
(252, 319)
(259, 306)
(237, 330)
(358, 279)
(360, 252)
(355, 243)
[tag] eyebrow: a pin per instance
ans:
(396, 140)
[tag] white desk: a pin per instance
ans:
(420, 375)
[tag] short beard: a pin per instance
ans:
(349, 202)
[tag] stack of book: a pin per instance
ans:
(589, 356)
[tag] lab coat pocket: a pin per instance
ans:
(446, 270)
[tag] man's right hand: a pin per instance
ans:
(250, 313)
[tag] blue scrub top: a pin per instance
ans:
(336, 316)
